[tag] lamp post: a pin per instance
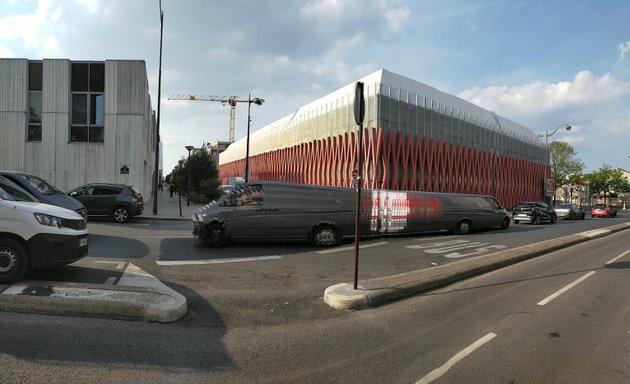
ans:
(189, 148)
(156, 174)
(257, 101)
(547, 134)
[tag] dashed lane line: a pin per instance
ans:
(618, 257)
(439, 372)
(566, 288)
(214, 261)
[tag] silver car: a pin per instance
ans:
(570, 212)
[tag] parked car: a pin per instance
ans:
(603, 210)
(569, 212)
(34, 235)
(534, 212)
(44, 191)
(118, 201)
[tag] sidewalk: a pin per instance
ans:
(168, 208)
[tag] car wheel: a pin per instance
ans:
(506, 223)
(583, 216)
(13, 261)
(536, 220)
(515, 221)
(217, 236)
(553, 219)
(326, 236)
(463, 227)
(121, 215)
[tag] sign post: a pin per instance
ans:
(359, 116)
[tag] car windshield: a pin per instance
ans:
(599, 206)
(41, 185)
(11, 192)
(565, 206)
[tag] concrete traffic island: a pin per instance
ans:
(139, 296)
(378, 291)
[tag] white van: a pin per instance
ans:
(34, 235)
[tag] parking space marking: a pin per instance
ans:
(618, 257)
(439, 372)
(343, 249)
(119, 264)
(110, 280)
(566, 288)
(214, 261)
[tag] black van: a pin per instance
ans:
(44, 191)
(326, 215)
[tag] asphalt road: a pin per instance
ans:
(256, 314)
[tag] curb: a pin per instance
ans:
(385, 289)
(144, 298)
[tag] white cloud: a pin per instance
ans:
(396, 17)
(35, 31)
(328, 12)
(90, 5)
(624, 49)
(619, 126)
(586, 92)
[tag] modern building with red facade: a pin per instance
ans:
(415, 138)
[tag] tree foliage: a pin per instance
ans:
(204, 177)
(607, 181)
(564, 164)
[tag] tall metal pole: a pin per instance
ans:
(359, 116)
(156, 175)
(249, 105)
(189, 148)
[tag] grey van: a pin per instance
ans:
(326, 215)
(44, 191)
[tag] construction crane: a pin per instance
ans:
(231, 100)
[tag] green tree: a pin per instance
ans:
(607, 181)
(564, 163)
(204, 177)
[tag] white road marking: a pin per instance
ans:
(214, 261)
(343, 249)
(110, 280)
(566, 288)
(136, 277)
(618, 257)
(439, 372)
(165, 237)
(119, 264)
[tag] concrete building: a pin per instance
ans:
(75, 122)
(415, 138)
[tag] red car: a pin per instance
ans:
(603, 210)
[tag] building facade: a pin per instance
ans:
(74, 122)
(415, 138)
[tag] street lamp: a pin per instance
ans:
(156, 174)
(189, 148)
(547, 134)
(257, 101)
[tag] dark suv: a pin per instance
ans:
(118, 201)
(534, 211)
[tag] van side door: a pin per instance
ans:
(251, 208)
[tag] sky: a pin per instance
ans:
(540, 63)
